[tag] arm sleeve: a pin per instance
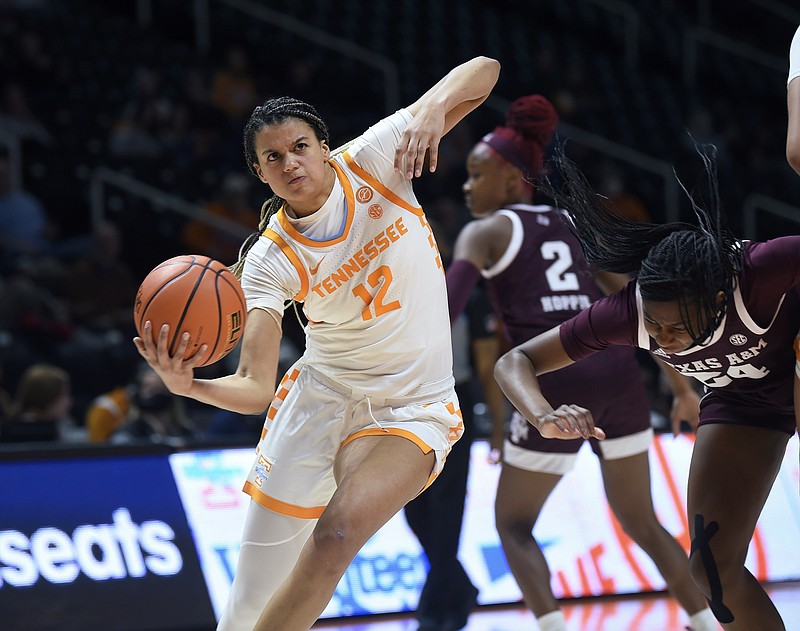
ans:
(462, 276)
(794, 57)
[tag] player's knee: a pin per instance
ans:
(337, 537)
(714, 572)
(513, 530)
(698, 572)
(646, 532)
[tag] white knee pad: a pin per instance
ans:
(271, 544)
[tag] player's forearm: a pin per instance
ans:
(793, 104)
(516, 376)
(793, 127)
(471, 81)
(236, 392)
(463, 89)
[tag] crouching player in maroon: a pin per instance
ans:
(537, 278)
(717, 309)
(793, 156)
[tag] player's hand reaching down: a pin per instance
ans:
(421, 136)
(685, 408)
(567, 422)
(176, 373)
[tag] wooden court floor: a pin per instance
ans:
(649, 612)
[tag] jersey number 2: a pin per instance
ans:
(380, 279)
(556, 278)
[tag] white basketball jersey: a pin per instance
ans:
(374, 293)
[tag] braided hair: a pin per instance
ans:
(273, 112)
(676, 261)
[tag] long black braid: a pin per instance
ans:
(677, 261)
(273, 112)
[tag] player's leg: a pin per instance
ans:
(520, 497)
(532, 466)
(436, 517)
(377, 476)
(732, 471)
(797, 402)
(269, 540)
(797, 339)
(627, 485)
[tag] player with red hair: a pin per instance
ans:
(537, 278)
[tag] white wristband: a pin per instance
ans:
(794, 56)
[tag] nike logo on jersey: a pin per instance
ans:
(361, 258)
(313, 270)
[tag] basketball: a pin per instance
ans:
(195, 294)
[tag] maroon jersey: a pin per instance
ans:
(541, 280)
(747, 366)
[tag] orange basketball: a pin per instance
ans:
(196, 294)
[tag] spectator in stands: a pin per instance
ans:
(614, 187)
(100, 286)
(107, 413)
(196, 134)
(31, 313)
(146, 115)
(33, 63)
(17, 116)
(5, 397)
(24, 224)
(234, 89)
(233, 204)
(153, 414)
(42, 408)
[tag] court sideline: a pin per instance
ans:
(647, 612)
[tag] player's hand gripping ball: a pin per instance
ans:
(196, 294)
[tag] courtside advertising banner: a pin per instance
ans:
(586, 549)
(386, 575)
(210, 485)
(97, 544)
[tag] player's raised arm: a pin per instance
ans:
(440, 109)
(793, 104)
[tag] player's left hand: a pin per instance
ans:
(685, 407)
(495, 455)
(176, 373)
(567, 422)
(421, 136)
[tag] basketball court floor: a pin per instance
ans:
(652, 612)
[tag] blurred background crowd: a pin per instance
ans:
(120, 146)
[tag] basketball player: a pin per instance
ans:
(793, 156)
(364, 420)
(717, 309)
(537, 278)
(793, 104)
